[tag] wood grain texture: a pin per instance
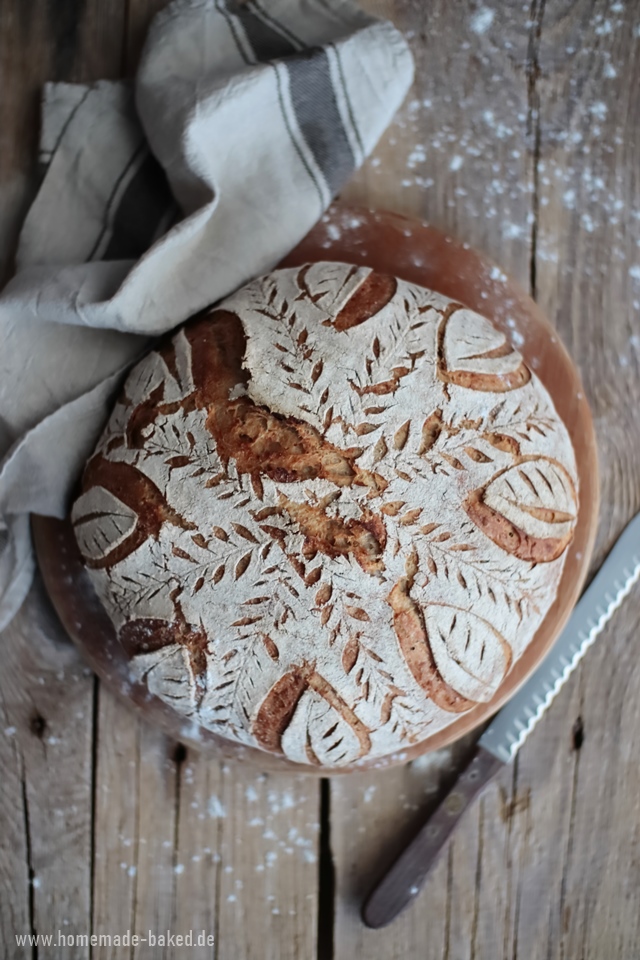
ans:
(185, 844)
(520, 137)
(139, 15)
(456, 153)
(588, 225)
(74, 40)
(269, 841)
(134, 824)
(47, 710)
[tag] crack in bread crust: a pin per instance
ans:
(258, 441)
(261, 442)
(363, 539)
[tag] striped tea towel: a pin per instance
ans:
(245, 120)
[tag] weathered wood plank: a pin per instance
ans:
(245, 861)
(598, 912)
(185, 844)
(95, 37)
(157, 772)
(85, 38)
(587, 259)
(525, 838)
(269, 855)
(588, 233)
(134, 826)
(197, 863)
(16, 912)
(47, 706)
(456, 154)
(77, 40)
(24, 65)
(140, 14)
(115, 821)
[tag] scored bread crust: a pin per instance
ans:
(327, 516)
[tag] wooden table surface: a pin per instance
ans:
(521, 136)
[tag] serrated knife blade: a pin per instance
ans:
(613, 582)
(510, 727)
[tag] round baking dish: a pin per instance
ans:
(418, 253)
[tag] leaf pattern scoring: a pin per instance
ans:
(328, 515)
(530, 509)
(473, 354)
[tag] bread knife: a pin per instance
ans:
(509, 729)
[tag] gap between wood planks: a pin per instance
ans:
(94, 779)
(326, 878)
(576, 745)
(30, 871)
(533, 126)
(179, 758)
(127, 65)
(532, 73)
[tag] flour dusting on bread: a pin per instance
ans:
(329, 515)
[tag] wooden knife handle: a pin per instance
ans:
(404, 880)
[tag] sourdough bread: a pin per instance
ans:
(327, 516)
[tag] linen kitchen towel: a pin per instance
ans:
(162, 197)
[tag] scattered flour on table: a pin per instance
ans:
(482, 20)
(216, 808)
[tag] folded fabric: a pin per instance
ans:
(245, 120)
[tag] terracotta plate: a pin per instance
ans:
(416, 252)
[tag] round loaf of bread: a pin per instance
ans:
(327, 516)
